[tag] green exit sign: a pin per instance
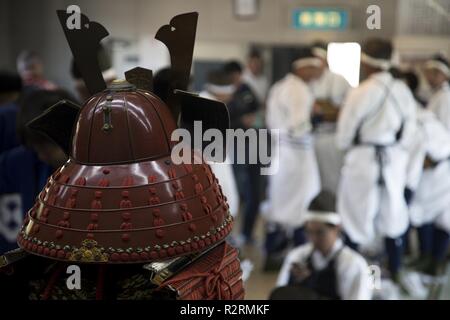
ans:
(319, 19)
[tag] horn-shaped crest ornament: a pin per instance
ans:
(84, 44)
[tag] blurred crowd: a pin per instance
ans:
(363, 173)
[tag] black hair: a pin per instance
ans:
(302, 53)
(412, 80)
(396, 72)
(319, 44)
(232, 66)
(32, 105)
(219, 77)
(254, 54)
(324, 202)
(10, 82)
(378, 48)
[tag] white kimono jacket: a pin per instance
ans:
(297, 181)
(352, 272)
(431, 202)
(367, 210)
(334, 88)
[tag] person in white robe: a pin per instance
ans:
(375, 128)
(430, 169)
(324, 268)
(437, 73)
(430, 206)
(254, 76)
(297, 181)
(329, 92)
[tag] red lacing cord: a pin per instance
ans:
(213, 281)
(52, 281)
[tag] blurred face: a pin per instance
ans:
(435, 78)
(256, 66)
(35, 70)
(324, 62)
(365, 71)
(38, 69)
(321, 235)
(50, 154)
(309, 74)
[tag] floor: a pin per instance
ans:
(259, 284)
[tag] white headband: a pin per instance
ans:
(307, 62)
(374, 62)
(434, 64)
(319, 52)
(220, 89)
(325, 217)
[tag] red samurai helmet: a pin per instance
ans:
(120, 198)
